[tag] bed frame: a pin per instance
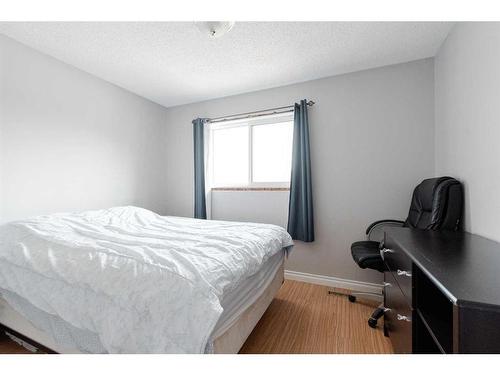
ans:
(229, 342)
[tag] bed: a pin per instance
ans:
(126, 280)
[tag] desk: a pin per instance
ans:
(443, 292)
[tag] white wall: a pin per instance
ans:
(467, 78)
(372, 139)
(70, 141)
(270, 207)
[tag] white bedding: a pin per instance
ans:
(142, 282)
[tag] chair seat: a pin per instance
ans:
(367, 255)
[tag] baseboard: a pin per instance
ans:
(334, 282)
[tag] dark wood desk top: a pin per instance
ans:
(464, 266)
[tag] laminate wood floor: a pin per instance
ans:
(303, 318)
(10, 347)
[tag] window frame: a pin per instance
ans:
(250, 124)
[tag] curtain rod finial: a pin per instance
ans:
(310, 103)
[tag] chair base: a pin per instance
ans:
(376, 296)
(377, 313)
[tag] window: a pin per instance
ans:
(230, 156)
(252, 153)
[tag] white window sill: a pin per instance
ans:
(248, 188)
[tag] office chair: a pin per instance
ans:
(436, 204)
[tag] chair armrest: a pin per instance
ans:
(381, 222)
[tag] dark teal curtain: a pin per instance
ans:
(300, 208)
(200, 206)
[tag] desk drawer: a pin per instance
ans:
(400, 266)
(398, 320)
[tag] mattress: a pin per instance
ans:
(142, 282)
(62, 337)
(246, 293)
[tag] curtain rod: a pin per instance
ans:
(265, 112)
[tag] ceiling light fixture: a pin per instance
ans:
(215, 29)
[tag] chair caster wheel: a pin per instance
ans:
(372, 323)
(351, 298)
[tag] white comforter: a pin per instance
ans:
(142, 282)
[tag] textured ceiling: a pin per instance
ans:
(174, 63)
